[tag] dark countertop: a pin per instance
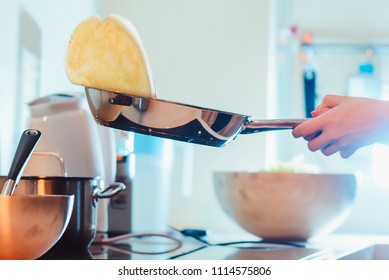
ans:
(133, 249)
(158, 248)
(231, 248)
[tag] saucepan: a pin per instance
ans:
(81, 229)
(174, 120)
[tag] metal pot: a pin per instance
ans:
(81, 229)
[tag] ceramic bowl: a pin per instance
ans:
(286, 206)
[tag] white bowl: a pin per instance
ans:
(286, 206)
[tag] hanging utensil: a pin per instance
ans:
(309, 75)
(173, 120)
(309, 78)
(26, 145)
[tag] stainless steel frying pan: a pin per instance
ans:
(173, 120)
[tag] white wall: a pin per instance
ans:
(55, 20)
(9, 34)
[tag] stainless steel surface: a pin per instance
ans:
(110, 191)
(82, 226)
(120, 213)
(173, 120)
(31, 224)
(26, 145)
(8, 188)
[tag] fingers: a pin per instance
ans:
(312, 136)
(330, 101)
(329, 147)
(306, 129)
(312, 129)
(346, 153)
(318, 111)
(320, 142)
(334, 148)
(313, 126)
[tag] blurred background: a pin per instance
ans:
(263, 58)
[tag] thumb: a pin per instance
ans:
(330, 101)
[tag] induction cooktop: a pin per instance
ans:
(191, 249)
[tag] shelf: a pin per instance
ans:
(376, 49)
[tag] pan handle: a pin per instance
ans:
(254, 126)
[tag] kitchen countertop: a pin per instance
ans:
(151, 248)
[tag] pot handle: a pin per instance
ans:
(112, 190)
(58, 157)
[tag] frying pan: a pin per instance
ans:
(174, 120)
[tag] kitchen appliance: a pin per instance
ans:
(237, 247)
(175, 121)
(120, 214)
(120, 207)
(70, 135)
(81, 229)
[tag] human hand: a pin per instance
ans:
(344, 124)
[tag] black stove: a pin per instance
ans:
(190, 249)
